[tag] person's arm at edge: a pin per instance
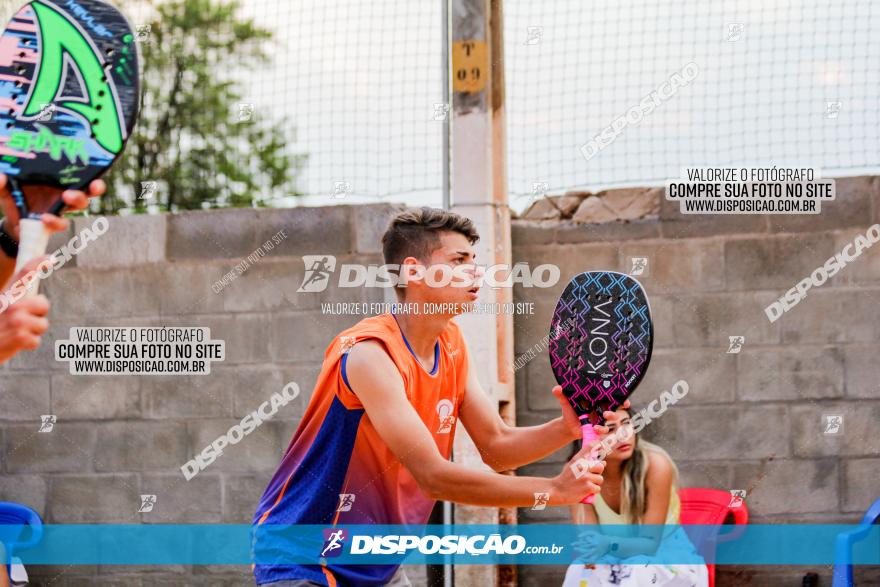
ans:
(73, 199)
(7, 266)
(376, 382)
(23, 322)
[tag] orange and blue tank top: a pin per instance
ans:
(337, 469)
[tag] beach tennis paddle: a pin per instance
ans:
(69, 99)
(600, 344)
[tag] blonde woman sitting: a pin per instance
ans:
(640, 487)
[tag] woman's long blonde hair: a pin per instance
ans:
(634, 494)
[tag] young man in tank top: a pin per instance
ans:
(374, 444)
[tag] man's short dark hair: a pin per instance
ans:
(416, 233)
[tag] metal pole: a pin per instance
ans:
(478, 191)
(447, 99)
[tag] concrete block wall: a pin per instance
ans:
(751, 420)
(118, 437)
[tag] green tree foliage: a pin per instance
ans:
(191, 138)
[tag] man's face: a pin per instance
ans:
(451, 275)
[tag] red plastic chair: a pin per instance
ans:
(710, 507)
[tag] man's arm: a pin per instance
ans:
(506, 447)
(376, 382)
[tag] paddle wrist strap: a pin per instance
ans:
(8, 245)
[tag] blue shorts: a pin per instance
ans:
(398, 580)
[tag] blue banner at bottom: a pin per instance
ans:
(534, 544)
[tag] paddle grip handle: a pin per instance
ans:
(590, 437)
(33, 240)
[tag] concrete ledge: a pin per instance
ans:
(236, 233)
(130, 240)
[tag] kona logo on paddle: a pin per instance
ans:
(597, 337)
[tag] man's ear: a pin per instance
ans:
(411, 269)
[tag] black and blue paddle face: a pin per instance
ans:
(601, 338)
(69, 94)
